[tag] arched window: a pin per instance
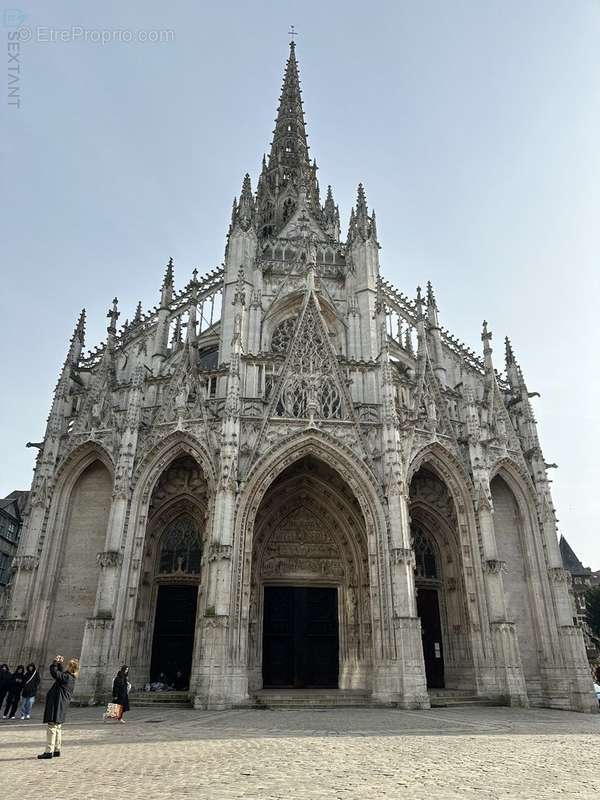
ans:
(282, 335)
(180, 550)
(425, 559)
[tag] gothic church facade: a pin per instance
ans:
(289, 475)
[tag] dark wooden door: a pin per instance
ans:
(428, 608)
(300, 637)
(278, 637)
(174, 629)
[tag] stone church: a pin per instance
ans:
(289, 475)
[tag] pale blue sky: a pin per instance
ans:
(473, 125)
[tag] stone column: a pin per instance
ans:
(574, 678)
(26, 562)
(216, 682)
(401, 677)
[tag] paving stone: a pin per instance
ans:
(342, 754)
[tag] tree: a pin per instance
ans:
(592, 601)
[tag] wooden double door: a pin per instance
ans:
(300, 637)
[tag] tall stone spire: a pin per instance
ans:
(288, 175)
(289, 148)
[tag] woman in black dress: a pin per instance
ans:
(57, 702)
(14, 692)
(121, 688)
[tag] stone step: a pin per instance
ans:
(317, 698)
(162, 699)
(450, 693)
(439, 700)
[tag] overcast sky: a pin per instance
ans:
(473, 125)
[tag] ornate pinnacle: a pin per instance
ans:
(373, 226)
(113, 315)
(431, 295)
(510, 356)
(168, 279)
(166, 292)
(419, 303)
(137, 318)
(351, 224)
(244, 212)
(176, 338)
(79, 332)
(486, 338)
(330, 208)
(361, 201)
(77, 340)
(246, 188)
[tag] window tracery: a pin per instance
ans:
(282, 335)
(180, 550)
(309, 390)
(425, 557)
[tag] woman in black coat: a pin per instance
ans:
(14, 692)
(121, 687)
(57, 702)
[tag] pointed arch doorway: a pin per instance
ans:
(444, 584)
(309, 613)
(177, 578)
(428, 586)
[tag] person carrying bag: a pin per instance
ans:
(121, 689)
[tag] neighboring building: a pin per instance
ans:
(12, 509)
(582, 579)
(288, 474)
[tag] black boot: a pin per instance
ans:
(56, 753)
(45, 755)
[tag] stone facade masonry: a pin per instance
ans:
(291, 418)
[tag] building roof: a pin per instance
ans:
(17, 499)
(570, 560)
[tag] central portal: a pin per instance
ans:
(300, 637)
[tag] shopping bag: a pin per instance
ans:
(113, 713)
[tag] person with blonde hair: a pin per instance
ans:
(57, 702)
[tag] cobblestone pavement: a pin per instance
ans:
(448, 753)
